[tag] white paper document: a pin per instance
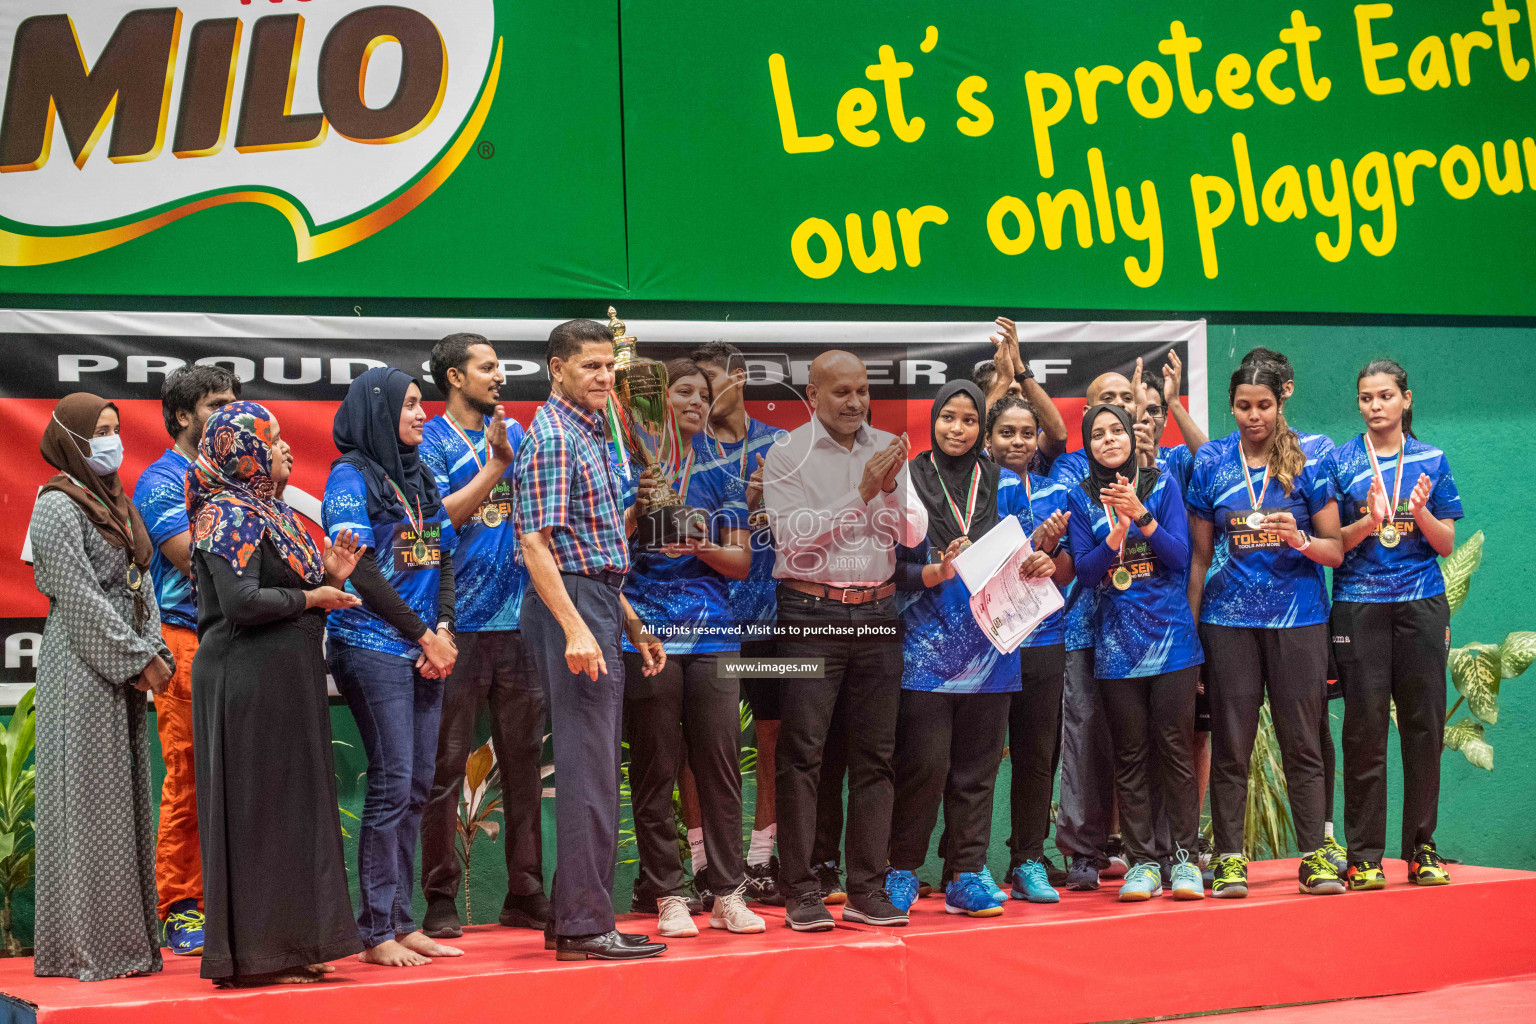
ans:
(1006, 607)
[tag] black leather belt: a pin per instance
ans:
(608, 577)
(842, 595)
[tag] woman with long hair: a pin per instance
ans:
(955, 685)
(1262, 516)
(1034, 713)
(1391, 622)
(274, 874)
(688, 709)
(390, 655)
(101, 653)
(1129, 537)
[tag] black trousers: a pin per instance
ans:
(868, 673)
(1386, 653)
(948, 747)
(1034, 739)
(684, 707)
(1152, 725)
(585, 718)
(1292, 665)
(493, 670)
(828, 845)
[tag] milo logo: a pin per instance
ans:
(342, 115)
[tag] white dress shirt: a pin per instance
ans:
(823, 529)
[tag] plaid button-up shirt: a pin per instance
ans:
(566, 481)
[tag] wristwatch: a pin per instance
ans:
(1144, 520)
(1024, 375)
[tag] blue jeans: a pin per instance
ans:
(398, 713)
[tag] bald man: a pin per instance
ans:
(1083, 820)
(839, 502)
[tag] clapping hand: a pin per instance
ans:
(1376, 502)
(1421, 493)
(496, 437)
(947, 563)
(1173, 373)
(1050, 532)
(342, 554)
(1008, 361)
(1122, 497)
(755, 485)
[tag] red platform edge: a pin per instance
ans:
(1088, 958)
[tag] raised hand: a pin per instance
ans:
(947, 566)
(876, 470)
(755, 485)
(342, 555)
(1139, 400)
(1421, 493)
(496, 437)
(901, 449)
(1173, 374)
(1048, 533)
(1121, 496)
(1376, 502)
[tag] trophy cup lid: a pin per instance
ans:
(623, 341)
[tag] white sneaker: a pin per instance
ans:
(731, 913)
(673, 920)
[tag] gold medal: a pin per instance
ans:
(1256, 521)
(1121, 578)
(1390, 535)
(419, 551)
(135, 577)
(490, 514)
(965, 542)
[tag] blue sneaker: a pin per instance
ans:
(184, 928)
(1083, 875)
(901, 887)
(968, 895)
(1187, 883)
(1030, 882)
(993, 888)
(1142, 882)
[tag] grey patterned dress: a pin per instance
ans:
(95, 826)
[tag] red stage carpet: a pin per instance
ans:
(1088, 958)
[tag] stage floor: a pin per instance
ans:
(1088, 958)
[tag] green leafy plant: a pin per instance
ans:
(17, 798)
(481, 798)
(1478, 669)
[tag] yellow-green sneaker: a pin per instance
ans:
(1427, 867)
(1316, 876)
(1366, 874)
(1230, 881)
(1335, 854)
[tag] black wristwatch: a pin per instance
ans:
(1144, 520)
(1024, 375)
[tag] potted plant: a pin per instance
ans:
(17, 795)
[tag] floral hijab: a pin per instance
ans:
(231, 498)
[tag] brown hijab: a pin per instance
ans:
(102, 498)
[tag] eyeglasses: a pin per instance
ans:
(1157, 410)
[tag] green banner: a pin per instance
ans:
(447, 148)
(1120, 155)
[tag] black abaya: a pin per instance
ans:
(274, 874)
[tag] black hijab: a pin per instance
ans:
(367, 433)
(932, 466)
(1101, 476)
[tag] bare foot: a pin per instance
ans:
(321, 969)
(291, 976)
(390, 953)
(419, 942)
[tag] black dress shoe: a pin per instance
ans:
(531, 911)
(442, 920)
(607, 946)
(627, 937)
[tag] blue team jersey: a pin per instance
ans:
(1042, 499)
(752, 599)
(943, 649)
(682, 600)
(488, 582)
(161, 497)
(1313, 446)
(1256, 579)
(1148, 629)
(1069, 470)
(391, 543)
(1373, 573)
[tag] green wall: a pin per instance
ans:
(1471, 385)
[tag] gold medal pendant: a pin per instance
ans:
(419, 552)
(1390, 535)
(1121, 578)
(965, 542)
(490, 515)
(135, 577)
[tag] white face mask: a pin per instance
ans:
(106, 455)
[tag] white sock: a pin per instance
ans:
(1328, 830)
(761, 847)
(1221, 855)
(696, 851)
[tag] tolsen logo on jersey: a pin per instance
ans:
(342, 116)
